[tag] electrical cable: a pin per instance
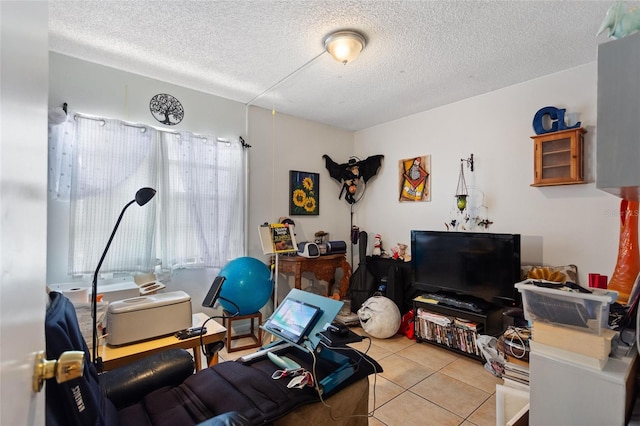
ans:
(202, 348)
(520, 340)
(234, 305)
(223, 317)
(285, 78)
(362, 357)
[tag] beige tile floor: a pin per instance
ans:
(422, 384)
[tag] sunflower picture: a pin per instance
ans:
(304, 190)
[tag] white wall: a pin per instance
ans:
(98, 90)
(559, 224)
(279, 143)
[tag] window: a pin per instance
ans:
(195, 220)
(201, 201)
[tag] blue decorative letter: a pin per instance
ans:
(556, 115)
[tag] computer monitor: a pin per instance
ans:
(328, 307)
(292, 320)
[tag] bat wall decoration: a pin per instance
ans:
(353, 174)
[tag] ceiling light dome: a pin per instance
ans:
(344, 46)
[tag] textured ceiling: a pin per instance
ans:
(419, 54)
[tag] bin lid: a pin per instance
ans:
(601, 295)
(148, 302)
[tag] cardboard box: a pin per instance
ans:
(568, 339)
(568, 356)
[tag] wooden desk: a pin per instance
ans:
(323, 267)
(116, 356)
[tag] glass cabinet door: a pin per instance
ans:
(558, 158)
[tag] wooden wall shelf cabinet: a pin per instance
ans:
(558, 158)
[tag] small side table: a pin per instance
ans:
(255, 332)
(323, 267)
(116, 356)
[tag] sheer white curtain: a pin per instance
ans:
(201, 201)
(195, 220)
(61, 143)
(111, 161)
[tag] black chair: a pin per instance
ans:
(95, 399)
(162, 390)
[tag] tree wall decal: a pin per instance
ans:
(166, 109)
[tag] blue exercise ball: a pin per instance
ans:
(248, 284)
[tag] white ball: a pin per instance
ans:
(379, 317)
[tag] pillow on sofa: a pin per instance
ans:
(550, 273)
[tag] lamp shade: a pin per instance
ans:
(344, 46)
(144, 195)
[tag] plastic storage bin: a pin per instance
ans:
(588, 312)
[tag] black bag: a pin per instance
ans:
(362, 285)
(79, 401)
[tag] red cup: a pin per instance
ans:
(593, 280)
(602, 281)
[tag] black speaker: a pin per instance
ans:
(395, 286)
(398, 280)
(336, 247)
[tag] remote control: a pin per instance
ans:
(191, 332)
(263, 352)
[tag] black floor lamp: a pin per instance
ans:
(142, 197)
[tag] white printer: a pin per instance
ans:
(146, 317)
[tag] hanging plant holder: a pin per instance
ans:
(462, 192)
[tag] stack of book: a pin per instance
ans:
(579, 347)
(514, 347)
(517, 372)
(450, 331)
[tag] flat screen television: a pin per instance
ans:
(467, 264)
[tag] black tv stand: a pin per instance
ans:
(465, 324)
(468, 303)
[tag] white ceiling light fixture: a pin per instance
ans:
(344, 46)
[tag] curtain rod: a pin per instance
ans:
(144, 127)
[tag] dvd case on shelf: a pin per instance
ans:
(450, 331)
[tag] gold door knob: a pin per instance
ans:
(69, 366)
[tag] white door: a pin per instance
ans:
(24, 86)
